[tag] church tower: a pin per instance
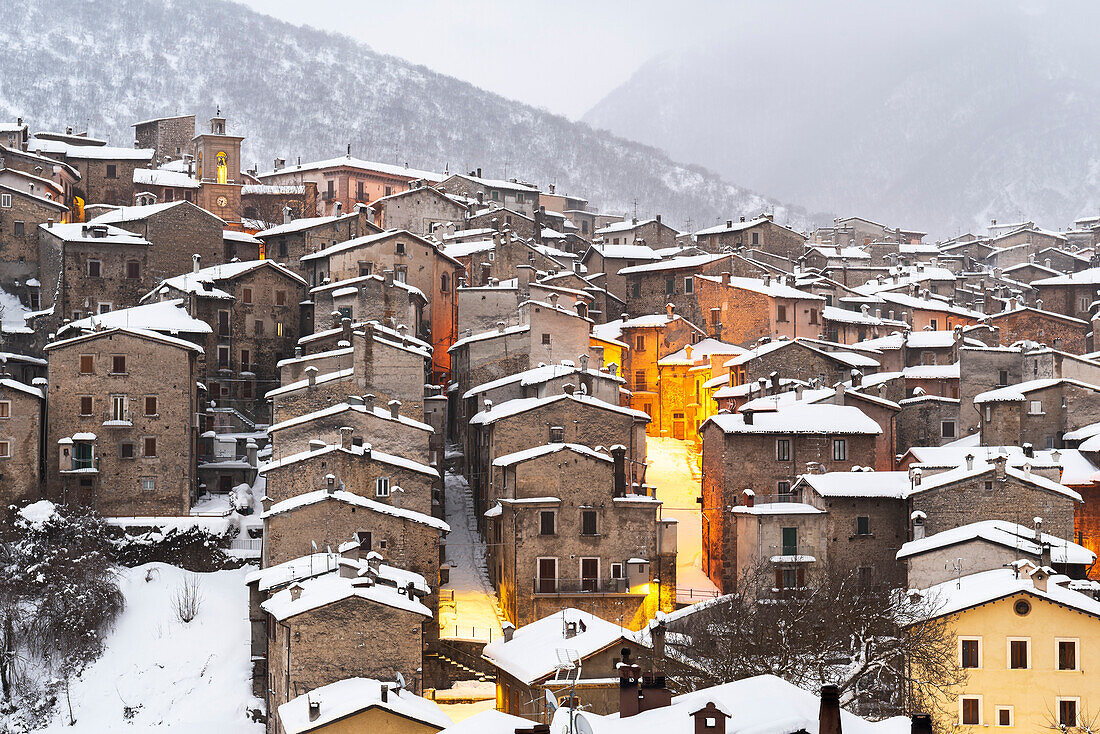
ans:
(217, 160)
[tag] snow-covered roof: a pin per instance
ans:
(331, 588)
(1032, 309)
(304, 383)
(523, 405)
(800, 418)
(930, 339)
(537, 376)
(519, 457)
(1004, 533)
(763, 704)
(881, 484)
(350, 498)
(1019, 392)
(932, 372)
(845, 316)
(532, 653)
(846, 253)
(962, 593)
(498, 183)
(89, 152)
(700, 350)
(624, 226)
(468, 247)
(235, 236)
(134, 213)
(273, 190)
(169, 317)
(332, 410)
(774, 287)
(675, 263)
(778, 508)
(129, 331)
(203, 282)
(297, 225)
(626, 252)
(365, 451)
(959, 474)
(162, 177)
(357, 163)
(78, 232)
(490, 721)
(16, 385)
(482, 336)
(733, 227)
(1077, 469)
(351, 696)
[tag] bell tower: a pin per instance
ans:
(218, 169)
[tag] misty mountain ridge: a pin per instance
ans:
(296, 91)
(929, 116)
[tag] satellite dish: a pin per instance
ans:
(581, 724)
(400, 679)
(551, 701)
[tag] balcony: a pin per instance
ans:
(580, 586)
(785, 554)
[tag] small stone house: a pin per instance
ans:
(21, 423)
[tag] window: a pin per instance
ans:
(813, 315)
(863, 525)
(246, 295)
(1022, 607)
(1002, 378)
(756, 238)
(85, 404)
(557, 434)
(223, 358)
(639, 343)
(617, 571)
(359, 191)
(278, 330)
(689, 285)
(546, 338)
(547, 524)
(970, 652)
(148, 484)
(639, 381)
(5, 449)
(150, 446)
(780, 313)
(1066, 654)
(223, 323)
(382, 487)
(5, 409)
(988, 413)
(988, 487)
(280, 298)
(118, 364)
(399, 248)
(103, 307)
(790, 541)
(150, 405)
(133, 270)
(401, 274)
(783, 449)
(970, 710)
(588, 522)
(118, 408)
(670, 286)
(1035, 407)
(636, 289)
(258, 327)
(840, 449)
(947, 429)
(95, 268)
(548, 575)
(1019, 653)
(87, 364)
(222, 169)
(5, 201)
(444, 283)
(126, 450)
(1004, 716)
(18, 228)
(934, 324)
(866, 576)
(112, 170)
(1067, 711)
(246, 362)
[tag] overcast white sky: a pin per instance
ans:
(563, 55)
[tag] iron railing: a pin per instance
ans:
(579, 586)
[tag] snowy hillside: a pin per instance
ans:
(158, 673)
(301, 92)
(938, 114)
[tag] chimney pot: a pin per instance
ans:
(829, 717)
(395, 408)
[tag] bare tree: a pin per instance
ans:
(188, 599)
(888, 653)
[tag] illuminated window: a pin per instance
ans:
(223, 169)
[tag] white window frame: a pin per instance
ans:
(557, 570)
(843, 444)
(997, 716)
(5, 409)
(382, 487)
(981, 650)
(148, 484)
(1076, 654)
(119, 405)
(981, 709)
(1008, 652)
(103, 307)
(618, 570)
(1035, 407)
(1076, 708)
(5, 449)
(689, 285)
(5, 201)
(88, 268)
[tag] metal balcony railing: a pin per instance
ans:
(792, 553)
(580, 586)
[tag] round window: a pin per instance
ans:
(1022, 607)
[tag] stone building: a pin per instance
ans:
(106, 173)
(217, 159)
(383, 427)
(765, 451)
(1037, 412)
(1026, 323)
(652, 233)
(122, 410)
(253, 313)
(568, 531)
(568, 417)
(419, 210)
(608, 258)
(376, 297)
(347, 181)
(522, 197)
(344, 624)
(21, 423)
(748, 308)
(762, 233)
(22, 211)
(169, 137)
(290, 241)
(651, 287)
(63, 176)
(413, 260)
(927, 420)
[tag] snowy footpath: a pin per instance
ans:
(674, 471)
(468, 605)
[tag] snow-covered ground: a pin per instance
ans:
(466, 698)
(169, 675)
(674, 471)
(474, 613)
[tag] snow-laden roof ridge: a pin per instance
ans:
(341, 495)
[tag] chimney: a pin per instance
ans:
(970, 462)
(1029, 450)
(657, 634)
(368, 401)
(395, 409)
(670, 310)
(296, 592)
(922, 724)
(748, 498)
(314, 709)
(618, 455)
(829, 717)
(918, 519)
(710, 719)
(658, 219)
(999, 463)
(196, 259)
(857, 378)
(479, 173)
(345, 436)
(729, 224)
(747, 416)
(330, 483)
(345, 330)
(569, 388)
(252, 453)
(725, 280)
(629, 678)
(338, 209)
(385, 693)
(311, 375)
(509, 630)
